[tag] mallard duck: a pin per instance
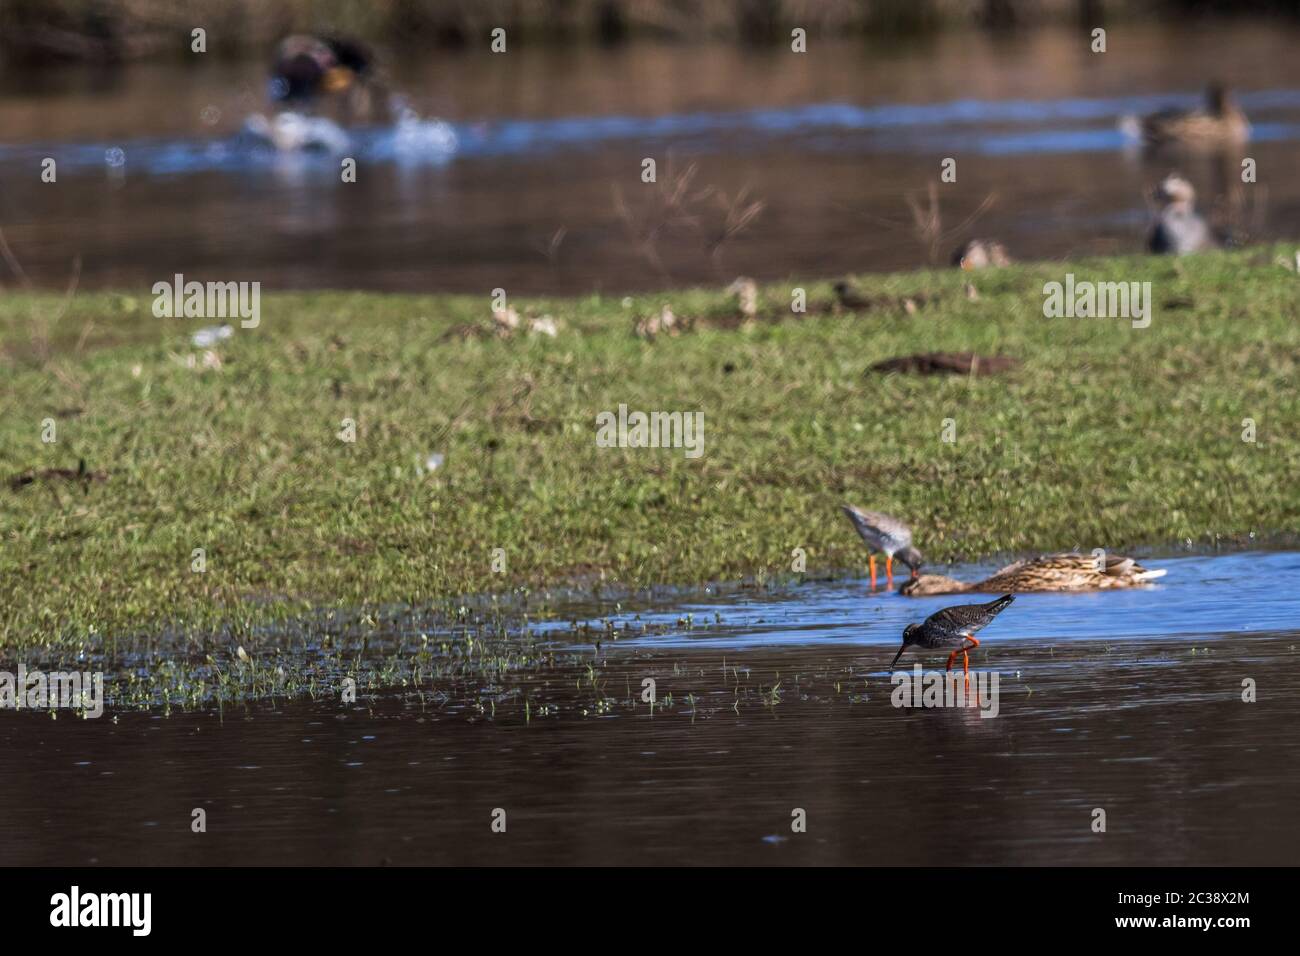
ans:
(887, 535)
(1179, 229)
(308, 66)
(310, 70)
(1220, 123)
(981, 254)
(1053, 572)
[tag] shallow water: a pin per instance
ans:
(501, 152)
(1200, 596)
(1127, 702)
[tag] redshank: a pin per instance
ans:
(887, 535)
(952, 627)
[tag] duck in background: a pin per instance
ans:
(1053, 572)
(1220, 123)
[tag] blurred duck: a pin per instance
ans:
(1179, 229)
(886, 535)
(1220, 123)
(981, 254)
(1053, 572)
(309, 71)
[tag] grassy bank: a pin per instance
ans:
(1105, 436)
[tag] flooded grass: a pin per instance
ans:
(1106, 436)
(696, 728)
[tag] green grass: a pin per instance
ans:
(1107, 436)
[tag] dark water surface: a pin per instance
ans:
(500, 152)
(1128, 702)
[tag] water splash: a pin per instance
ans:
(1056, 125)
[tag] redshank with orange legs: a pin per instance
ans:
(886, 535)
(953, 627)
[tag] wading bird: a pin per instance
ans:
(1053, 572)
(952, 627)
(887, 535)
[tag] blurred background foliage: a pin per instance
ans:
(41, 31)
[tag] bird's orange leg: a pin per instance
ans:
(871, 563)
(889, 569)
(965, 664)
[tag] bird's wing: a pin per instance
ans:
(968, 618)
(875, 527)
(960, 617)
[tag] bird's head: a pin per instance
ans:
(1175, 189)
(924, 585)
(908, 638)
(912, 558)
(1217, 98)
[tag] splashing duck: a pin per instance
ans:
(311, 71)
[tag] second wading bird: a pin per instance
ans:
(953, 627)
(887, 535)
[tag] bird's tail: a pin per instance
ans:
(1131, 126)
(998, 606)
(1152, 574)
